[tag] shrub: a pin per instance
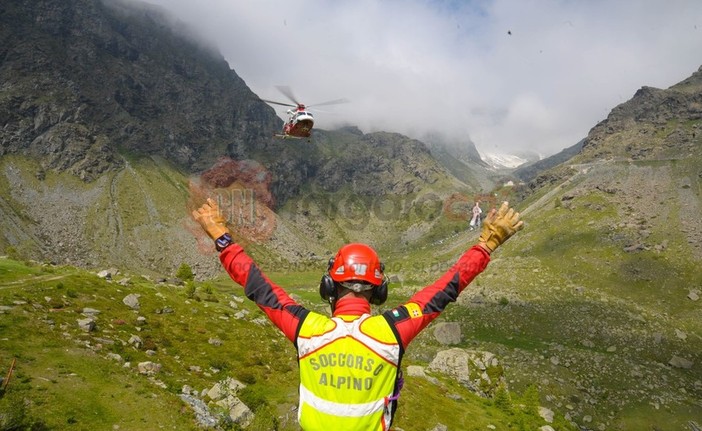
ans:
(247, 377)
(531, 400)
(265, 420)
(503, 400)
(184, 272)
(149, 344)
(219, 364)
(12, 253)
(190, 290)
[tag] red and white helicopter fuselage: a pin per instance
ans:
(300, 123)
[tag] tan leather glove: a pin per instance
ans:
(499, 226)
(211, 220)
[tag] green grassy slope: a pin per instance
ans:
(66, 378)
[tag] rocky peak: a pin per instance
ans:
(634, 129)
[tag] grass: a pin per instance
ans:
(67, 381)
(58, 364)
(570, 283)
(68, 384)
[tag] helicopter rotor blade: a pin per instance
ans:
(279, 103)
(331, 102)
(287, 92)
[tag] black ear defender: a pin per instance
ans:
(327, 289)
(380, 293)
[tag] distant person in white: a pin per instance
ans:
(475, 221)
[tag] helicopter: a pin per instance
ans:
(300, 120)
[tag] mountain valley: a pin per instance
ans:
(115, 127)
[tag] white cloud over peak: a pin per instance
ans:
(511, 74)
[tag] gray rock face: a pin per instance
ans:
(102, 76)
(159, 93)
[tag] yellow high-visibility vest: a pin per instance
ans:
(348, 370)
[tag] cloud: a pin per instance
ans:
(509, 74)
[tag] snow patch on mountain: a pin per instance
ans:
(502, 161)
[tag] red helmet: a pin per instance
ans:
(357, 262)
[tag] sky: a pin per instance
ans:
(509, 75)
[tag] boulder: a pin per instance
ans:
(224, 388)
(239, 412)
(546, 414)
(132, 301)
(678, 362)
(416, 371)
(115, 357)
(223, 393)
(148, 368)
(90, 311)
(135, 341)
(107, 274)
(448, 333)
(87, 325)
(469, 368)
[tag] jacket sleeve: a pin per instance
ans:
(283, 311)
(426, 305)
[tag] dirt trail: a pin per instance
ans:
(31, 280)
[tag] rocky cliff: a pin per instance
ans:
(85, 81)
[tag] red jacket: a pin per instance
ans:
(407, 319)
